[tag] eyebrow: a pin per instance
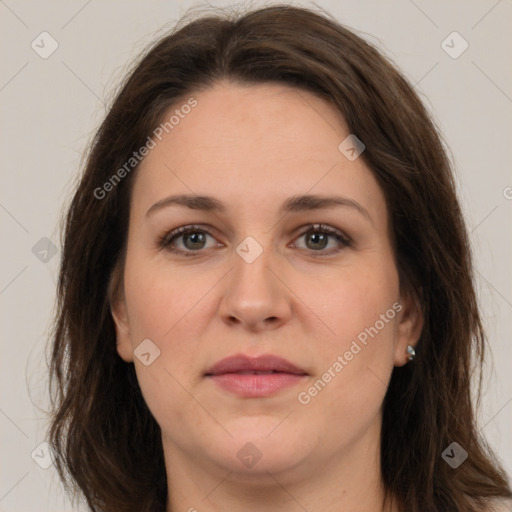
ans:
(292, 204)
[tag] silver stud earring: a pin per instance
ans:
(411, 352)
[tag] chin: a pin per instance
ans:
(260, 445)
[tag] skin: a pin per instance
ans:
(252, 147)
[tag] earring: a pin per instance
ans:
(411, 352)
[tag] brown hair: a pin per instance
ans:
(108, 444)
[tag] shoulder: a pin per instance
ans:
(499, 505)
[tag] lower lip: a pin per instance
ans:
(253, 385)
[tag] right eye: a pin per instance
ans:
(192, 238)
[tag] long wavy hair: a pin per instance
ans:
(108, 444)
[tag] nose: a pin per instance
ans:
(255, 295)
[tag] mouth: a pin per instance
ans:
(251, 377)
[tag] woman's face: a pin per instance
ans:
(254, 277)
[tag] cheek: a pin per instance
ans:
(359, 299)
(343, 399)
(363, 312)
(166, 307)
(159, 299)
(159, 310)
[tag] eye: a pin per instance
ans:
(318, 237)
(192, 238)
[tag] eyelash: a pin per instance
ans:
(164, 242)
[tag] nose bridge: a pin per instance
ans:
(254, 294)
(253, 261)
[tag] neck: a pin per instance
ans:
(350, 481)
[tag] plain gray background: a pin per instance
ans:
(52, 106)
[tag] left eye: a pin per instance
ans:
(193, 239)
(318, 238)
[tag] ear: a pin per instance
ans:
(119, 313)
(410, 325)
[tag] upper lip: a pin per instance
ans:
(264, 363)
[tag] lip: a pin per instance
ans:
(253, 377)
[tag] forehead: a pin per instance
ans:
(253, 145)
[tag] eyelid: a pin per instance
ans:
(318, 226)
(164, 242)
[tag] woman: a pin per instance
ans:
(266, 297)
